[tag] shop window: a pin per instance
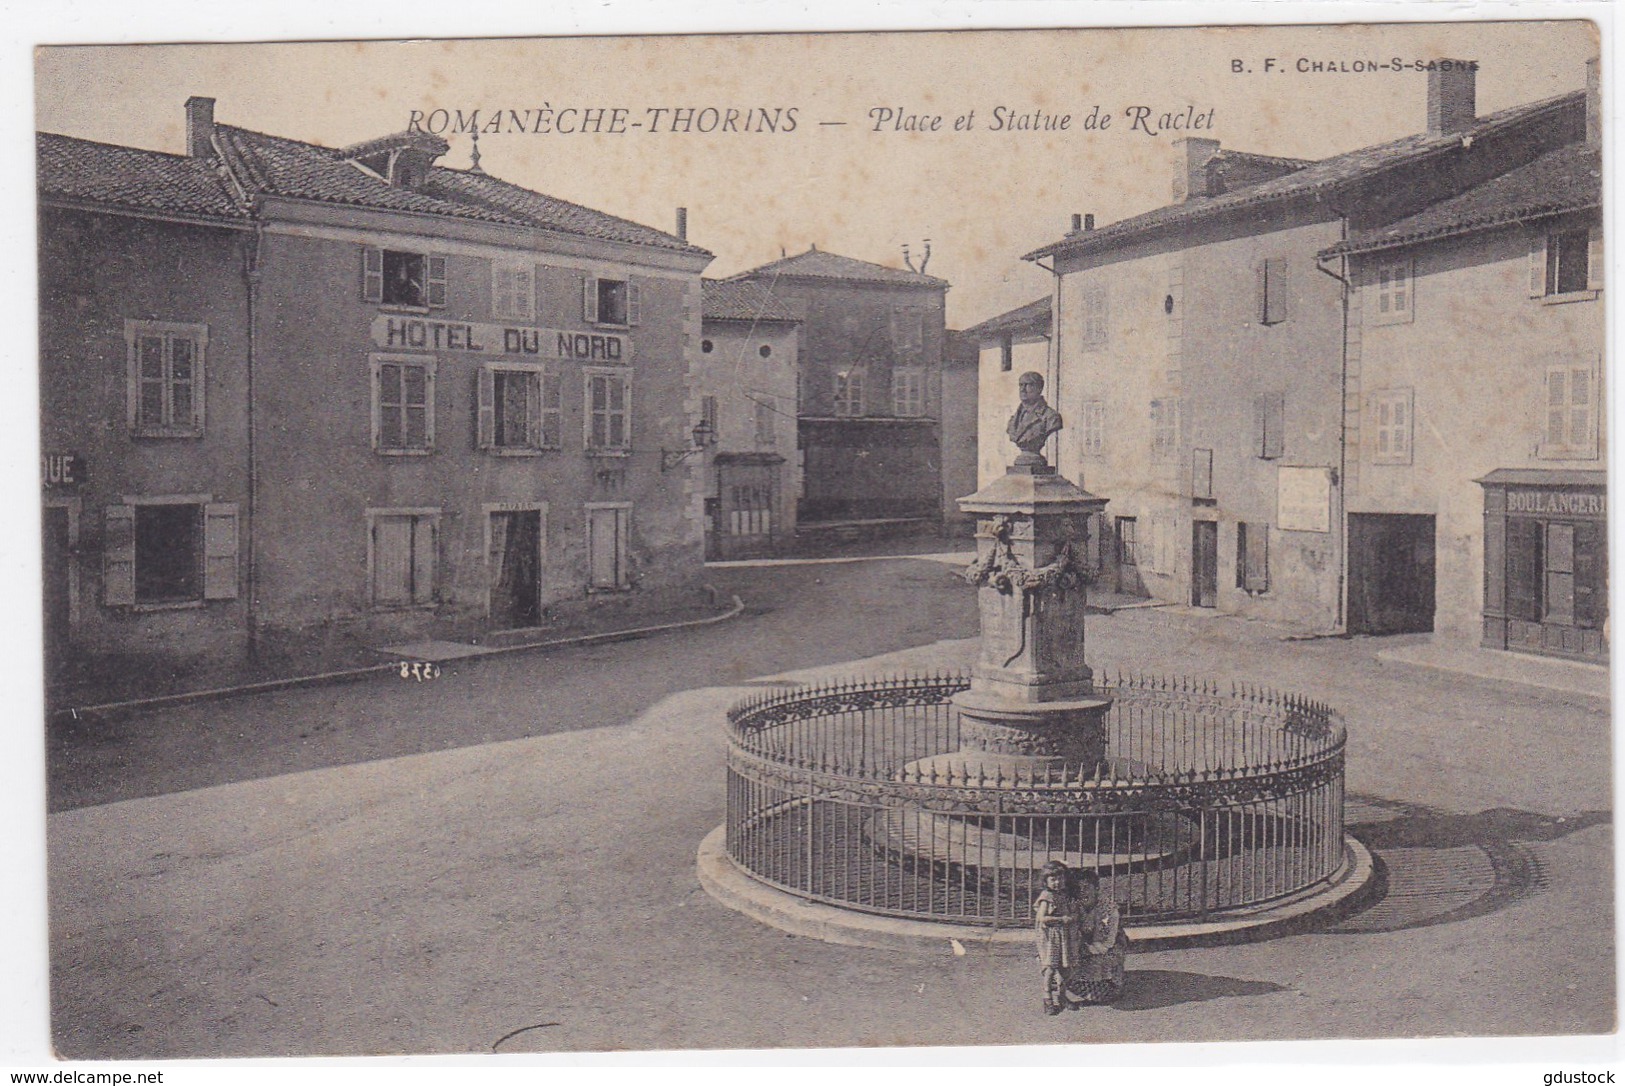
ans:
(403, 556)
(402, 405)
(1273, 288)
(607, 537)
(611, 301)
(1253, 557)
(1556, 572)
(165, 378)
(1269, 426)
(1094, 428)
(1391, 411)
(1394, 290)
(1569, 430)
(848, 393)
(395, 277)
(608, 410)
(1096, 316)
(520, 409)
(1164, 429)
(513, 291)
(908, 391)
(163, 551)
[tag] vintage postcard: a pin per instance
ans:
(825, 540)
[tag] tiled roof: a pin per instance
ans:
(1032, 317)
(813, 264)
(275, 166)
(1318, 178)
(1567, 179)
(130, 178)
(742, 300)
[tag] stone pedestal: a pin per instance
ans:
(1032, 702)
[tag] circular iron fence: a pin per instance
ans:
(1207, 801)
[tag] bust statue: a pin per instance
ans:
(1035, 420)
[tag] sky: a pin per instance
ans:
(983, 195)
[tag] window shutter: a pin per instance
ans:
(485, 407)
(425, 548)
(589, 299)
(437, 281)
(634, 301)
(1594, 259)
(1280, 284)
(220, 551)
(372, 275)
(428, 406)
(533, 411)
(1261, 275)
(1258, 560)
(1537, 266)
(118, 556)
(524, 293)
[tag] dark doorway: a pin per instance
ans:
(1128, 557)
(746, 524)
(516, 560)
(1391, 573)
(57, 554)
(1204, 563)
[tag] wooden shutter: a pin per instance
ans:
(1261, 279)
(1258, 558)
(435, 273)
(634, 300)
(1269, 417)
(118, 556)
(425, 550)
(1280, 291)
(533, 411)
(524, 293)
(485, 429)
(372, 275)
(220, 551)
(1537, 266)
(589, 299)
(1594, 259)
(552, 433)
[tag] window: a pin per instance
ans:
(159, 551)
(1007, 354)
(1569, 430)
(1269, 425)
(513, 291)
(1094, 428)
(848, 393)
(1201, 474)
(907, 332)
(767, 431)
(607, 532)
(1273, 286)
(521, 409)
(1560, 263)
(402, 404)
(165, 378)
(1127, 549)
(403, 556)
(610, 301)
(393, 277)
(708, 414)
(908, 391)
(1394, 288)
(1096, 319)
(1164, 429)
(1391, 411)
(609, 410)
(1253, 557)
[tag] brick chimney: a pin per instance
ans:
(199, 127)
(1452, 97)
(682, 224)
(1593, 102)
(1190, 167)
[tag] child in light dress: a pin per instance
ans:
(1081, 942)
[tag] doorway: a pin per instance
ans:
(58, 565)
(515, 561)
(1204, 563)
(1391, 573)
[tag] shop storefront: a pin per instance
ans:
(1546, 562)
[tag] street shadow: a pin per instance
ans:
(1153, 989)
(1440, 867)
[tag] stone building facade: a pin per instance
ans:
(438, 401)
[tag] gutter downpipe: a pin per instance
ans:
(251, 278)
(1340, 623)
